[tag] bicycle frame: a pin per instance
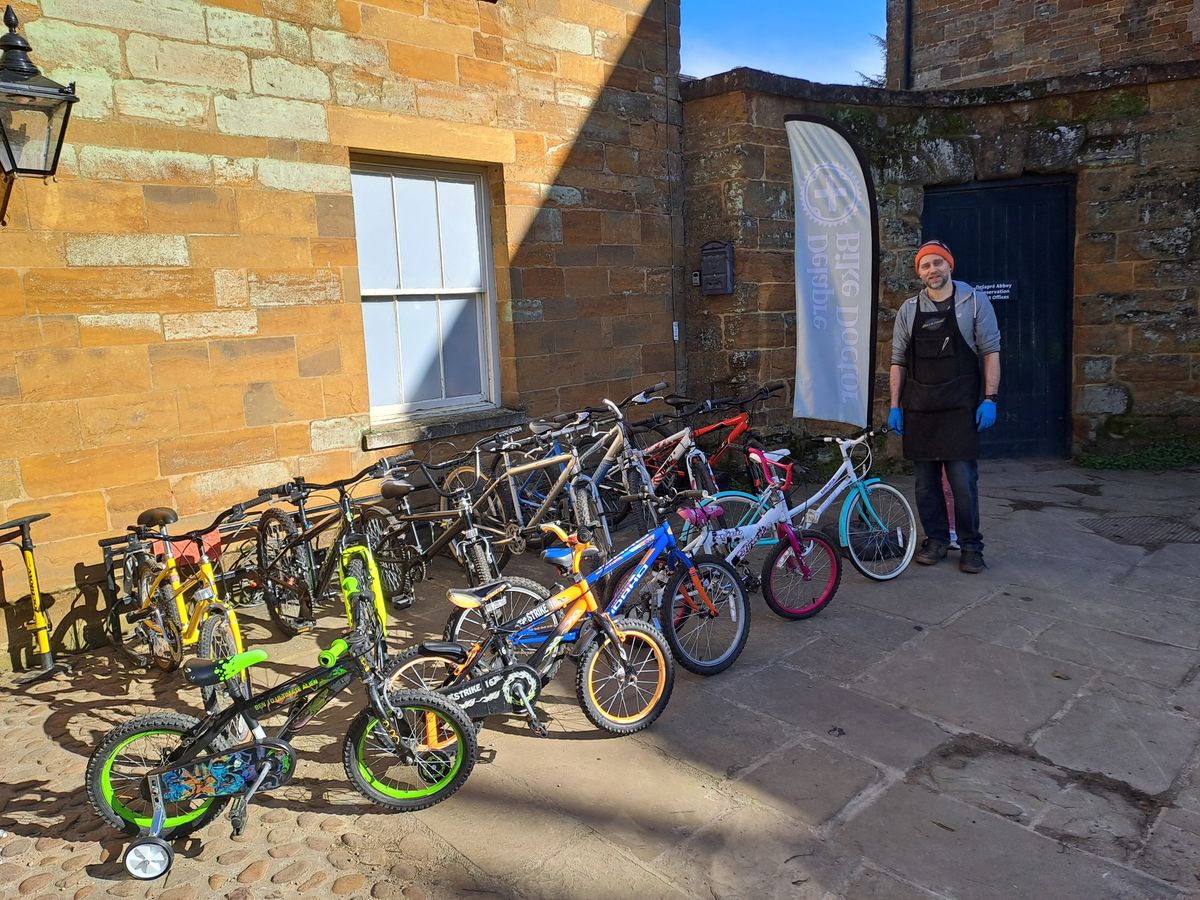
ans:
(657, 543)
(346, 546)
(205, 577)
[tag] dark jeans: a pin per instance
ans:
(963, 475)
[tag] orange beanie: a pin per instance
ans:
(936, 248)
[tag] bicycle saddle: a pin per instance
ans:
(472, 598)
(559, 557)
(396, 489)
(160, 515)
(698, 515)
(541, 426)
(202, 673)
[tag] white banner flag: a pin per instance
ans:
(837, 274)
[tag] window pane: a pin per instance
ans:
(416, 217)
(457, 206)
(460, 346)
(374, 228)
(383, 373)
(419, 350)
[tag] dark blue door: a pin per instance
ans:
(1015, 240)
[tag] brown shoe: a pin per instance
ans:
(971, 562)
(930, 553)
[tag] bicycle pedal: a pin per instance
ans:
(538, 728)
(304, 626)
(403, 602)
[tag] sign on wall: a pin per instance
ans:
(837, 273)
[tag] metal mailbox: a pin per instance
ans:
(716, 267)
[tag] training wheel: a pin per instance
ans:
(148, 858)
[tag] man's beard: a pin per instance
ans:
(936, 282)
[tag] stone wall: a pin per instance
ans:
(180, 321)
(1128, 138)
(957, 43)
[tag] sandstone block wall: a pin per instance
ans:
(1130, 143)
(982, 42)
(180, 319)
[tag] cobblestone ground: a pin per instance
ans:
(316, 835)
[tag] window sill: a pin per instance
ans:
(438, 424)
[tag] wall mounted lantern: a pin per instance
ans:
(33, 113)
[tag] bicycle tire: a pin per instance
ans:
(285, 572)
(466, 626)
(437, 772)
(691, 630)
(415, 669)
(492, 515)
(113, 776)
(164, 597)
(375, 523)
(788, 592)
(587, 515)
(644, 518)
(603, 685)
(217, 642)
(880, 553)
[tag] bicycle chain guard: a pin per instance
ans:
(494, 694)
(230, 774)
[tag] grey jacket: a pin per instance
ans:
(972, 308)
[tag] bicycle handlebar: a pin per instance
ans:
(328, 658)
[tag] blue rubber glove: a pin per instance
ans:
(896, 420)
(985, 416)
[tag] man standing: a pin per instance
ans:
(940, 337)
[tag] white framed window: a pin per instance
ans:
(425, 275)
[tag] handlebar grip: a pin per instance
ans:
(775, 386)
(113, 541)
(328, 658)
(391, 462)
(661, 386)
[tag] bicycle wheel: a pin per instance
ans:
(466, 626)
(489, 514)
(285, 573)
(705, 640)
(216, 642)
(414, 669)
(797, 588)
(164, 597)
(881, 533)
(625, 697)
(434, 758)
(388, 550)
(116, 768)
(644, 517)
(586, 515)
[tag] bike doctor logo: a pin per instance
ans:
(830, 195)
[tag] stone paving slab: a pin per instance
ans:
(845, 718)
(1143, 746)
(991, 690)
(963, 852)
(1135, 657)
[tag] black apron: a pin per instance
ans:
(941, 390)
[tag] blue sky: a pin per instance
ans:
(820, 41)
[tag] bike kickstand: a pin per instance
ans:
(239, 811)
